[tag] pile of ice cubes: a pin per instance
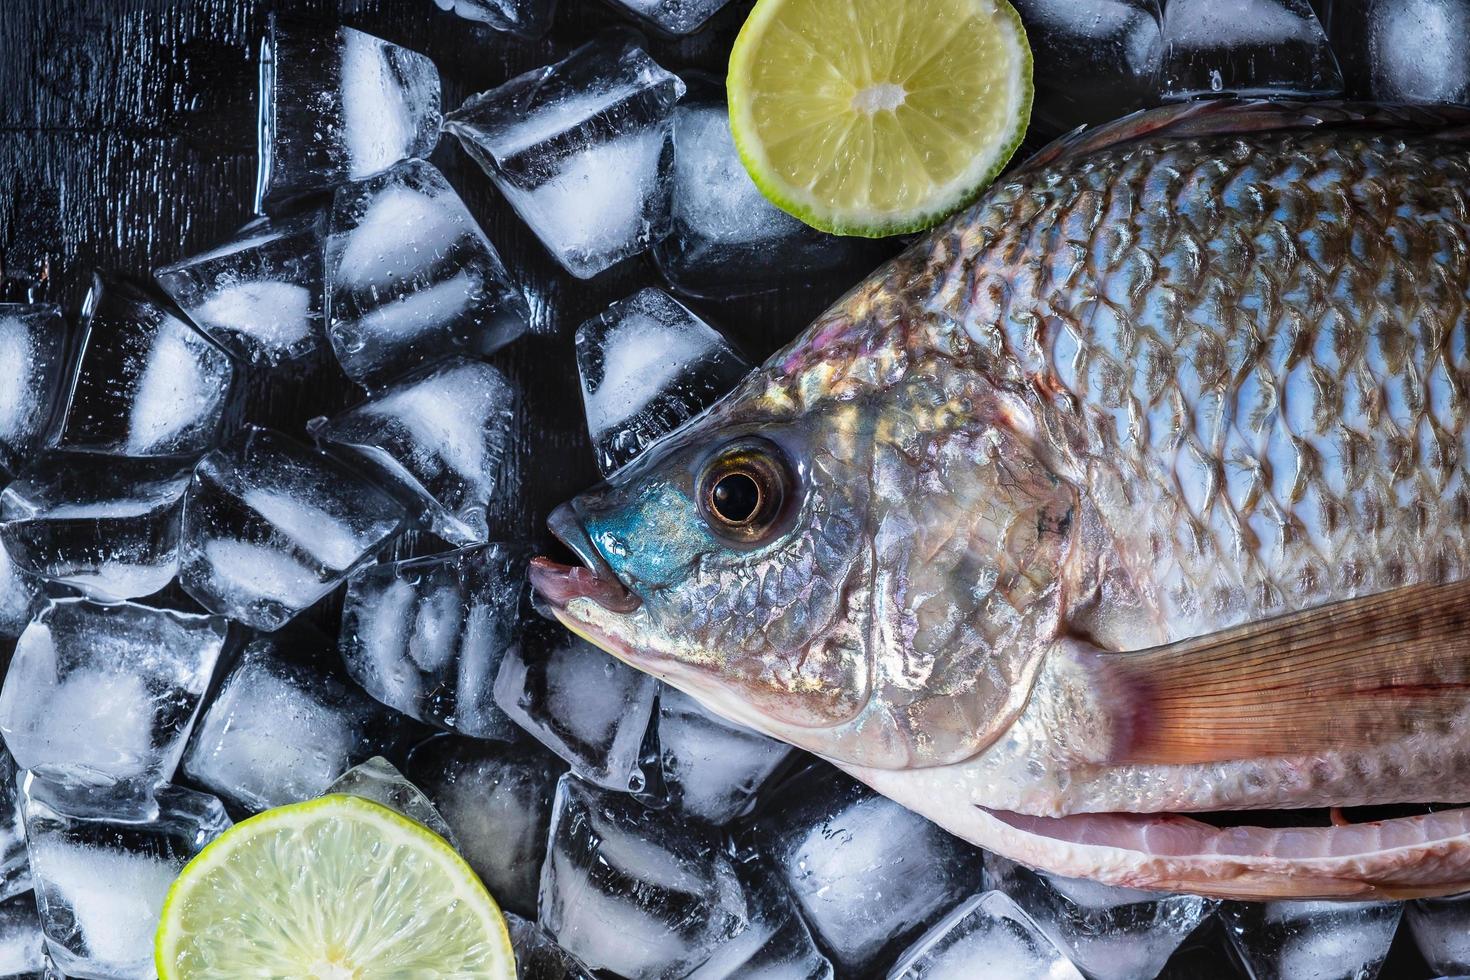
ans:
(159, 552)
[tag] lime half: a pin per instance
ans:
(337, 888)
(876, 117)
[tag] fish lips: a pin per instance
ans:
(594, 579)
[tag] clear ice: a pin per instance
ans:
(1441, 928)
(97, 694)
(1312, 940)
(497, 798)
(146, 383)
(339, 105)
(426, 636)
(377, 780)
(22, 944)
(582, 150)
(20, 592)
(674, 16)
(1109, 933)
(775, 944)
(587, 707)
(638, 892)
(106, 526)
(523, 18)
(32, 362)
(986, 935)
(1094, 60)
(440, 436)
(725, 238)
(1246, 47)
(648, 365)
(270, 527)
(285, 724)
(411, 278)
(15, 869)
(712, 768)
(538, 957)
(869, 875)
(1405, 50)
(259, 296)
(101, 881)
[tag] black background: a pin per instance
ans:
(127, 141)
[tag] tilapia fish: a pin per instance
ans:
(1139, 490)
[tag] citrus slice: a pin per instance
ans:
(876, 117)
(337, 888)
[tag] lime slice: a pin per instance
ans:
(876, 117)
(337, 888)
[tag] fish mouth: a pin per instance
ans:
(559, 585)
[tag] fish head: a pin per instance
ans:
(850, 556)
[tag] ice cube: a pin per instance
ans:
(1246, 47)
(106, 526)
(497, 797)
(987, 935)
(101, 880)
(97, 693)
(1441, 928)
(582, 149)
(32, 362)
(441, 436)
(588, 708)
(648, 365)
(1109, 933)
(725, 238)
(638, 892)
(411, 277)
(674, 16)
(270, 527)
(338, 105)
(259, 296)
(1312, 940)
(1094, 60)
(712, 768)
(377, 780)
(285, 724)
(22, 944)
(523, 18)
(869, 874)
(20, 592)
(146, 383)
(775, 945)
(426, 636)
(1404, 50)
(15, 869)
(538, 957)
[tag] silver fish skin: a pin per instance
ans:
(1118, 497)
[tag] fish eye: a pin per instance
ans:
(743, 491)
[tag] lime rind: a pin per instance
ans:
(231, 848)
(986, 165)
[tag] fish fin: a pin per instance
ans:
(1347, 675)
(1223, 117)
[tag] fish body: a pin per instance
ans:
(1139, 489)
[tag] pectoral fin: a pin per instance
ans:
(1352, 674)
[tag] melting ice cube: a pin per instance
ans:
(1441, 929)
(638, 892)
(378, 780)
(1246, 47)
(588, 708)
(674, 16)
(15, 869)
(712, 768)
(270, 527)
(497, 798)
(987, 935)
(1404, 50)
(582, 150)
(775, 945)
(411, 277)
(524, 18)
(647, 366)
(426, 636)
(869, 874)
(260, 295)
(441, 436)
(146, 384)
(285, 723)
(22, 944)
(101, 693)
(101, 879)
(1312, 939)
(338, 105)
(538, 957)
(20, 591)
(32, 361)
(109, 527)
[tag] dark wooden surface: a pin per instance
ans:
(127, 141)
